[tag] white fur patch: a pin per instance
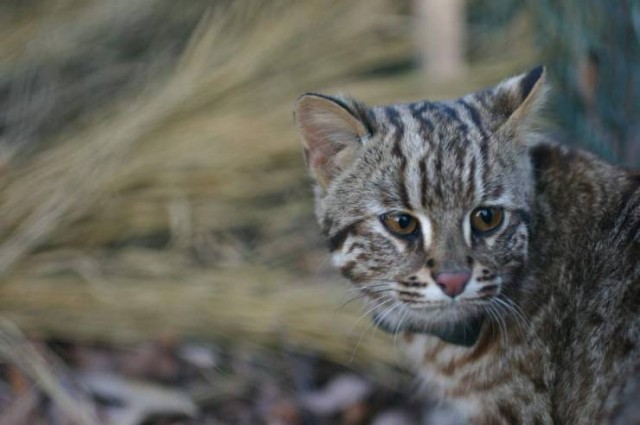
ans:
(472, 290)
(427, 230)
(466, 230)
(340, 258)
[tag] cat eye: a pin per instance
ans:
(485, 219)
(400, 224)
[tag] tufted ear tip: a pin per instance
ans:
(531, 79)
(518, 99)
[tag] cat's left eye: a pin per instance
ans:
(400, 224)
(485, 219)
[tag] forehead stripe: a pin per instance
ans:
(425, 125)
(423, 182)
(453, 117)
(437, 165)
(471, 178)
(418, 109)
(475, 117)
(398, 126)
(449, 112)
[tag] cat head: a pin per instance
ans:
(426, 206)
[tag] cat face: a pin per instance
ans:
(426, 206)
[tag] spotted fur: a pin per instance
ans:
(557, 282)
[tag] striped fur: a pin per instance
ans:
(558, 281)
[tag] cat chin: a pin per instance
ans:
(426, 320)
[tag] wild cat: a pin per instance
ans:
(510, 263)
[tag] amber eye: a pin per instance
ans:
(400, 224)
(485, 219)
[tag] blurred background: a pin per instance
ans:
(159, 260)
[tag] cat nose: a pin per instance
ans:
(452, 284)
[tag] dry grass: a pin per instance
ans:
(189, 196)
(182, 206)
(164, 194)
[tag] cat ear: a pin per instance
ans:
(331, 130)
(518, 99)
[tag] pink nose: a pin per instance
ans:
(452, 284)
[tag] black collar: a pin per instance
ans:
(463, 333)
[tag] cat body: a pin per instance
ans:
(509, 263)
(566, 354)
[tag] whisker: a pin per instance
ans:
(364, 288)
(503, 324)
(518, 314)
(368, 311)
(385, 314)
(496, 316)
(349, 301)
(363, 292)
(397, 329)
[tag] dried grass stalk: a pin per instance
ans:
(252, 307)
(238, 58)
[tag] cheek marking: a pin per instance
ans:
(338, 260)
(379, 228)
(490, 241)
(478, 281)
(427, 230)
(341, 258)
(430, 291)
